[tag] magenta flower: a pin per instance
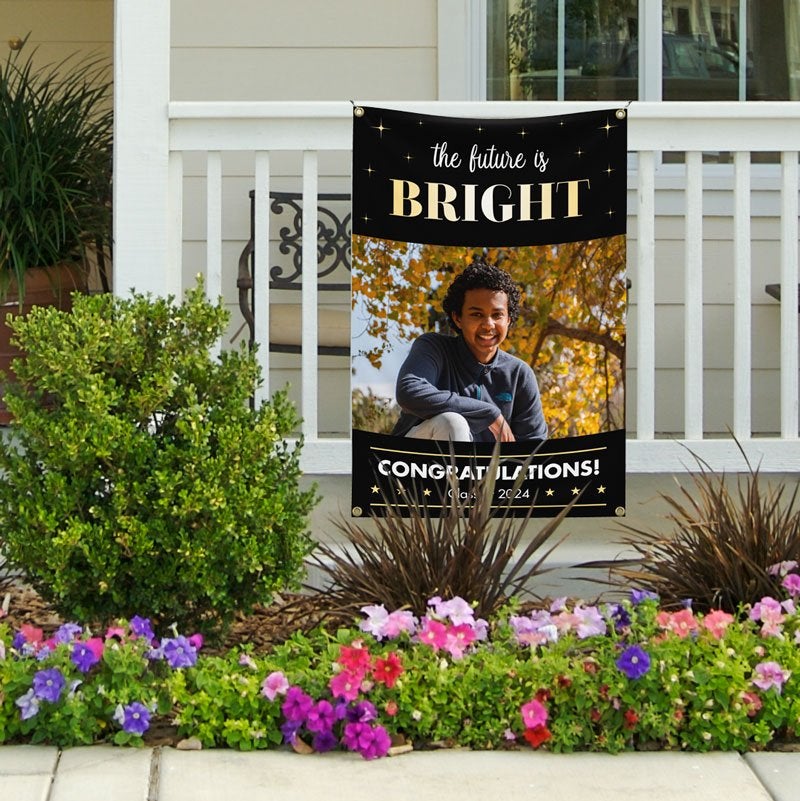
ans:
(433, 633)
(791, 583)
(533, 714)
(459, 638)
(296, 705)
(321, 717)
(633, 662)
(770, 674)
(345, 685)
(274, 685)
(371, 742)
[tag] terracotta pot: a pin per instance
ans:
(44, 286)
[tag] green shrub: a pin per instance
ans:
(138, 480)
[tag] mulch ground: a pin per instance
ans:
(263, 628)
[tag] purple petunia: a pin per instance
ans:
(140, 627)
(296, 705)
(48, 684)
(179, 652)
(770, 674)
(633, 662)
(639, 596)
(369, 741)
(324, 741)
(85, 655)
(134, 718)
(28, 704)
(67, 632)
(321, 717)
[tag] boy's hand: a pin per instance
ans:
(501, 430)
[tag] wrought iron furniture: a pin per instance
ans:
(333, 253)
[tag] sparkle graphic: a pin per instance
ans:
(578, 152)
(523, 133)
(479, 129)
(369, 170)
(609, 170)
(380, 127)
(408, 157)
(607, 127)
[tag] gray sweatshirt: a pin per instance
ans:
(440, 374)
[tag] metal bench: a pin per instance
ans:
(333, 249)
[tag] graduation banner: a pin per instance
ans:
(489, 294)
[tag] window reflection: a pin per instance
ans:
(593, 52)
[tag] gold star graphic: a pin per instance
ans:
(576, 491)
(375, 489)
(381, 128)
(607, 127)
(426, 492)
(601, 489)
(550, 493)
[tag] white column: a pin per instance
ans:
(141, 147)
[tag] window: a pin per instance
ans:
(590, 50)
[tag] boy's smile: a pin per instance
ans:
(483, 321)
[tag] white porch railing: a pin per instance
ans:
(261, 129)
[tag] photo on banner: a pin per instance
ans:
(489, 297)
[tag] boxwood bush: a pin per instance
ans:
(136, 478)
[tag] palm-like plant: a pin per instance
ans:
(55, 162)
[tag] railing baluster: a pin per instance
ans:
(742, 315)
(174, 283)
(645, 299)
(789, 276)
(214, 231)
(310, 359)
(693, 299)
(261, 271)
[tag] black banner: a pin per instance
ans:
(489, 293)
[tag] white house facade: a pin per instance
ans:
(213, 100)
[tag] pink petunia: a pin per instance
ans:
(769, 613)
(588, 622)
(791, 583)
(716, 622)
(355, 659)
(274, 685)
(681, 624)
(534, 714)
(459, 638)
(345, 685)
(770, 674)
(433, 633)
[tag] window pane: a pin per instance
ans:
(594, 41)
(593, 52)
(703, 41)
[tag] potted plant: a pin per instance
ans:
(56, 123)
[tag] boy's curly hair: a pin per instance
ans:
(481, 275)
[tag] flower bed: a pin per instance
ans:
(609, 678)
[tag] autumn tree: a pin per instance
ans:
(571, 327)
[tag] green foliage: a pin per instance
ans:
(55, 159)
(700, 692)
(137, 479)
(472, 550)
(724, 538)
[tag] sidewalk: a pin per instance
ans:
(106, 773)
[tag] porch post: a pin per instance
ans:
(141, 147)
